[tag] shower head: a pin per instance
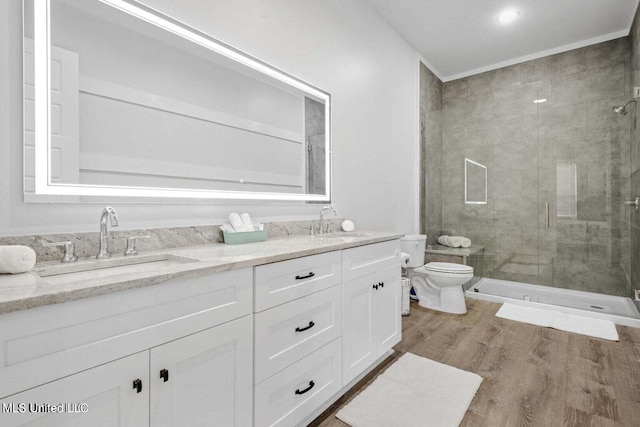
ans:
(622, 109)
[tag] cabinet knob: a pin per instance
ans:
(164, 374)
(311, 384)
(137, 385)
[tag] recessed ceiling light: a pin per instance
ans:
(538, 101)
(508, 16)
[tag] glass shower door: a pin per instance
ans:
(583, 173)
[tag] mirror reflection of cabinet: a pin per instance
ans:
(164, 110)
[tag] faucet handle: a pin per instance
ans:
(69, 250)
(131, 244)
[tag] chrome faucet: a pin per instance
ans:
(103, 250)
(321, 227)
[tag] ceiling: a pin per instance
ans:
(458, 38)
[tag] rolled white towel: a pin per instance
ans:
(451, 241)
(16, 259)
(227, 228)
(246, 222)
(236, 222)
(454, 241)
(458, 241)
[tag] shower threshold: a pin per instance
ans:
(619, 310)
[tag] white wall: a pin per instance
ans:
(341, 46)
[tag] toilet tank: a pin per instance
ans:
(414, 245)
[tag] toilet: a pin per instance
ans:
(438, 285)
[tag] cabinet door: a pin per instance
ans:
(372, 320)
(357, 342)
(387, 320)
(205, 378)
(102, 396)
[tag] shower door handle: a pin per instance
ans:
(635, 202)
(546, 215)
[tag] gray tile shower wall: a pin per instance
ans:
(634, 37)
(430, 155)
(570, 151)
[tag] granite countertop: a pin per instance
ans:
(28, 290)
(447, 250)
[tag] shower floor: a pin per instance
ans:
(620, 310)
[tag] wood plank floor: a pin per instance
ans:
(533, 376)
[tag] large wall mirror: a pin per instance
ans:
(121, 100)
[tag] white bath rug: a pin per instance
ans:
(414, 391)
(582, 325)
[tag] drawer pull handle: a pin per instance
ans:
(375, 287)
(311, 325)
(164, 374)
(311, 384)
(137, 385)
(381, 284)
(311, 274)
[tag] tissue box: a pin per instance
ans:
(244, 237)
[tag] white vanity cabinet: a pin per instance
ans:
(324, 333)
(270, 345)
(208, 378)
(371, 305)
(298, 325)
(107, 391)
(196, 332)
(204, 379)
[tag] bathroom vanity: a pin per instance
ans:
(268, 333)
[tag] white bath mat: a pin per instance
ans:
(583, 325)
(414, 391)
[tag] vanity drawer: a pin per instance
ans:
(363, 260)
(81, 334)
(292, 395)
(285, 281)
(288, 332)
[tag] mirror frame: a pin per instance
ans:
(474, 202)
(43, 183)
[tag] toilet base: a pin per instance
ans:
(451, 301)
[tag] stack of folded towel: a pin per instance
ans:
(454, 241)
(240, 223)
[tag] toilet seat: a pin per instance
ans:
(444, 268)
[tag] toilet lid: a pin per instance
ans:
(448, 267)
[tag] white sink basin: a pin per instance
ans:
(345, 234)
(96, 269)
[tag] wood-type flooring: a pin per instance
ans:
(533, 376)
